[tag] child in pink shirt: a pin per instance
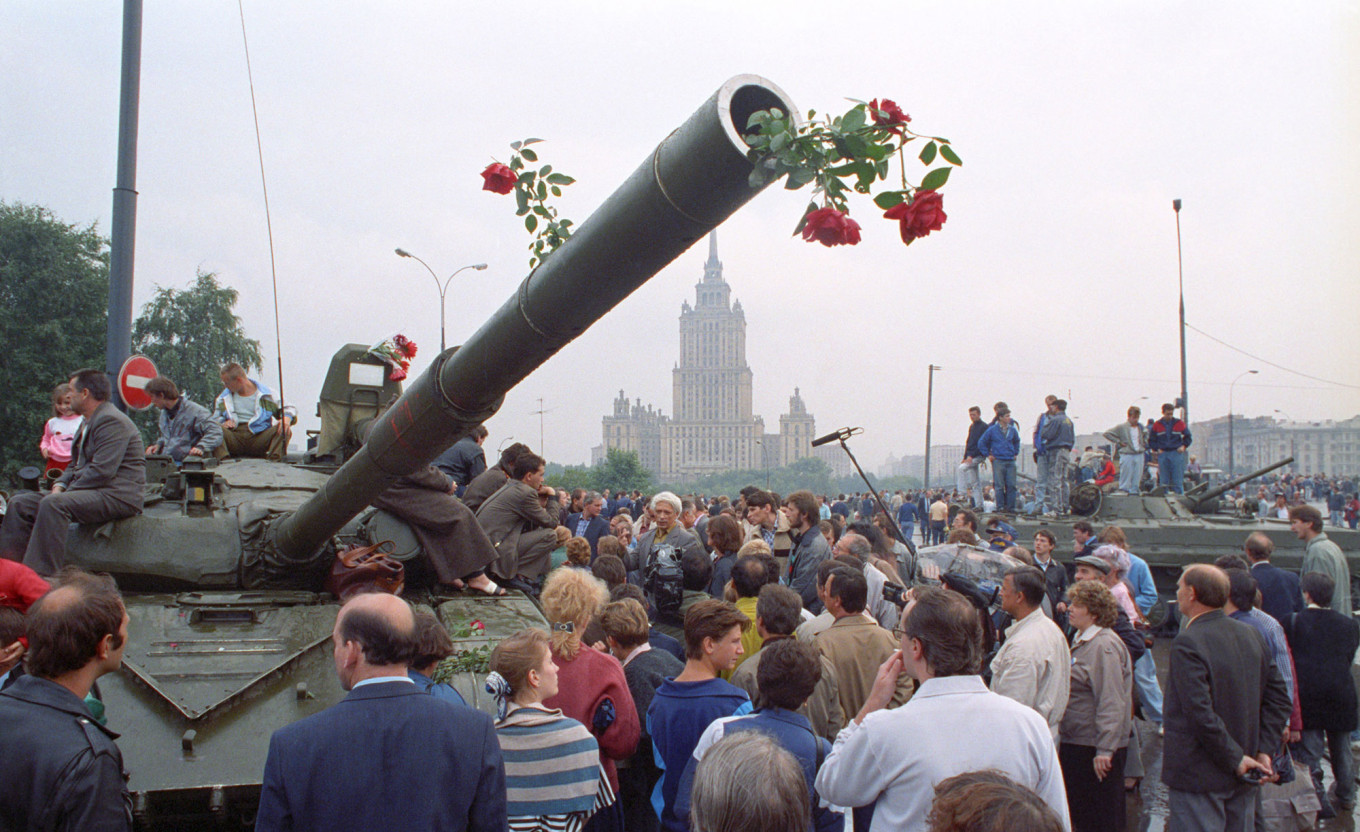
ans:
(60, 430)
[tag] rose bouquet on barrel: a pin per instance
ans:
(849, 154)
(397, 353)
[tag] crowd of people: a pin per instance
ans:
(761, 662)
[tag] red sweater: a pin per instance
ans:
(19, 585)
(583, 684)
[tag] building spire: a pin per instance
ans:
(713, 267)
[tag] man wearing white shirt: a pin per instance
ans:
(1034, 665)
(952, 724)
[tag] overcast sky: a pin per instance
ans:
(1078, 123)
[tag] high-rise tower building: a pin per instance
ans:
(712, 428)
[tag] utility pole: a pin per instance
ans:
(930, 398)
(540, 413)
(123, 241)
(1180, 281)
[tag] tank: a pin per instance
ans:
(1171, 531)
(229, 631)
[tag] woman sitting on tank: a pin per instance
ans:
(458, 549)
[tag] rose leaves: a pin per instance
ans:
(849, 154)
(532, 190)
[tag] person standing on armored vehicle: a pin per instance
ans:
(1169, 438)
(1001, 444)
(187, 428)
(968, 479)
(252, 423)
(107, 482)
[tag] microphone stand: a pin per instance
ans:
(907, 579)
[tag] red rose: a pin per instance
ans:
(397, 374)
(924, 214)
(891, 113)
(498, 178)
(830, 228)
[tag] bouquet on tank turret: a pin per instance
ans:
(397, 352)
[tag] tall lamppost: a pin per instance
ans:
(443, 287)
(1180, 283)
(1232, 458)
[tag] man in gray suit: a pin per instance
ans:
(107, 482)
(522, 529)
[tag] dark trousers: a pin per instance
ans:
(36, 525)
(936, 532)
(1227, 811)
(636, 782)
(1095, 805)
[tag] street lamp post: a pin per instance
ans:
(1180, 284)
(443, 287)
(1232, 458)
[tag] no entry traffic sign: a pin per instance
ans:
(132, 379)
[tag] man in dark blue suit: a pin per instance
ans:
(1280, 594)
(388, 756)
(588, 522)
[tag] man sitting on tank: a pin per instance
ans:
(187, 428)
(250, 417)
(106, 482)
(523, 531)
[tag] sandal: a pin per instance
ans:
(491, 590)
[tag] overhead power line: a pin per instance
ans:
(1271, 363)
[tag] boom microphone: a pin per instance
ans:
(839, 435)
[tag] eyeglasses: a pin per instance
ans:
(898, 632)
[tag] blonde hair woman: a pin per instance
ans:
(592, 689)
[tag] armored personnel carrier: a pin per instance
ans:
(229, 630)
(1171, 531)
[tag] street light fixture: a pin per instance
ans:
(443, 287)
(1232, 458)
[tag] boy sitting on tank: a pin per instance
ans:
(252, 423)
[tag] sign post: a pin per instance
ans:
(132, 379)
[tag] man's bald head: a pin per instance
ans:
(383, 625)
(1209, 584)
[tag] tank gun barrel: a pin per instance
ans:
(695, 179)
(1219, 490)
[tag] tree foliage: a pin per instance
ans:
(618, 471)
(190, 333)
(54, 287)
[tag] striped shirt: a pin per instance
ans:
(553, 780)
